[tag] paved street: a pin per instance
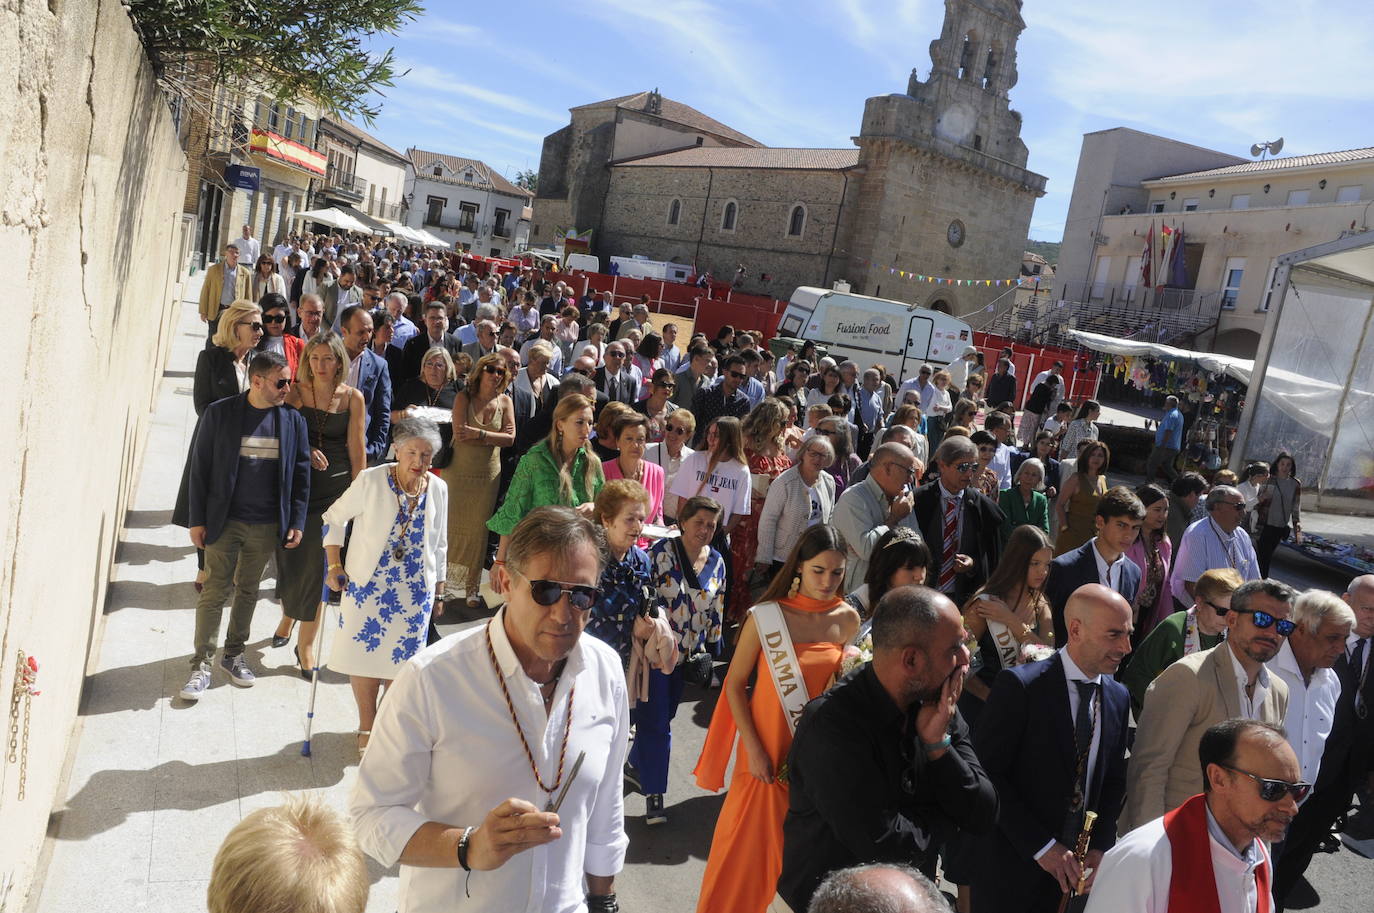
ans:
(156, 783)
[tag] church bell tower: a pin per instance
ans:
(945, 187)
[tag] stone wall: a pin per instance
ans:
(909, 199)
(641, 196)
(92, 237)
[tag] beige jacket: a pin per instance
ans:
(214, 284)
(1194, 693)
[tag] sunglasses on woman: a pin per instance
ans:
(492, 369)
(274, 318)
(580, 597)
(674, 429)
(1273, 790)
(1263, 620)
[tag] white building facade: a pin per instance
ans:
(467, 203)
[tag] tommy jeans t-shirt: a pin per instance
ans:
(728, 484)
(257, 497)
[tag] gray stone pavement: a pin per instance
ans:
(155, 783)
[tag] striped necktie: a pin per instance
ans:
(949, 535)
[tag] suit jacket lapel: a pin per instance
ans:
(1061, 720)
(1226, 679)
(1111, 735)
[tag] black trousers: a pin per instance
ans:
(1270, 537)
(1313, 822)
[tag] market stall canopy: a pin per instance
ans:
(1310, 402)
(404, 232)
(372, 224)
(335, 218)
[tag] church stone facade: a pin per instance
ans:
(936, 186)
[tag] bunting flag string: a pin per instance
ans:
(947, 280)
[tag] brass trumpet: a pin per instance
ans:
(1080, 852)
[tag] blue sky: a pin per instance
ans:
(1218, 73)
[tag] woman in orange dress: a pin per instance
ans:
(746, 850)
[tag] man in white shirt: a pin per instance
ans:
(524, 706)
(1209, 853)
(1217, 540)
(1304, 663)
(670, 353)
(998, 425)
(1203, 689)
(248, 246)
(402, 329)
(959, 368)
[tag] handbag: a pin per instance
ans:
(697, 668)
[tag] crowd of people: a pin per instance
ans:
(945, 642)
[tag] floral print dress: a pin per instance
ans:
(383, 621)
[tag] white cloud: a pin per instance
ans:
(433, 78)
(890, 32)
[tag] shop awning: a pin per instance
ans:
(430, 239)
(335, 218)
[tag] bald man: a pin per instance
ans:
(1052, 737)
(1348, 756)
(889, 887)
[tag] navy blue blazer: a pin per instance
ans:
(1070, 571)
(374, 379)
(214, 466)
(1024, 739)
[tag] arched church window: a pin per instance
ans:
(674, 212)
(796, 224)
(727, 216)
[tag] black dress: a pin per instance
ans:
(301, 587)
(415, 392)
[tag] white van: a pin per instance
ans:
(875, 330)
(587, 262)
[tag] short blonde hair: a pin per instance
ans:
(298, 857)
(542, 349)
(449, 371)
(331, 340)
(224, 333)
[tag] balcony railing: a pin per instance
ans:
(344, 183)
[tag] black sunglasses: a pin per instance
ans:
(967, 466)
(493, 369)
(1220, 610)
(614, 353)
(274, 318)
(283, 383)
(1273, 790)
(1264, 620)
(666, 386)
(580, 597)
(674, 429)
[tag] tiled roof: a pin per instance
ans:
(423, 161)
(360, 136)
(762, 157)
(676, 112)
(1277, 164)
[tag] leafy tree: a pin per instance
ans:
(288, 49)
(528, 180)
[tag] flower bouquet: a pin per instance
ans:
(1034, 653)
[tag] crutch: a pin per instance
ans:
(315, 677)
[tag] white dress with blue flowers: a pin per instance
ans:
(383, 621)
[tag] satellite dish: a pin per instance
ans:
(1256, 149)
(1276, 146)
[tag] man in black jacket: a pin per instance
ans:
(1002, 385)
(248, 489)
(436, 334)
(963, 559)
(882, 769)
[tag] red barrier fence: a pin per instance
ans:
(1080, 375)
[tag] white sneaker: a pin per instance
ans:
(197, 683)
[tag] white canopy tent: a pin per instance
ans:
(1320, 329)
(432, 240)
(335, 218)
(404, 232)
(1306, 400)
